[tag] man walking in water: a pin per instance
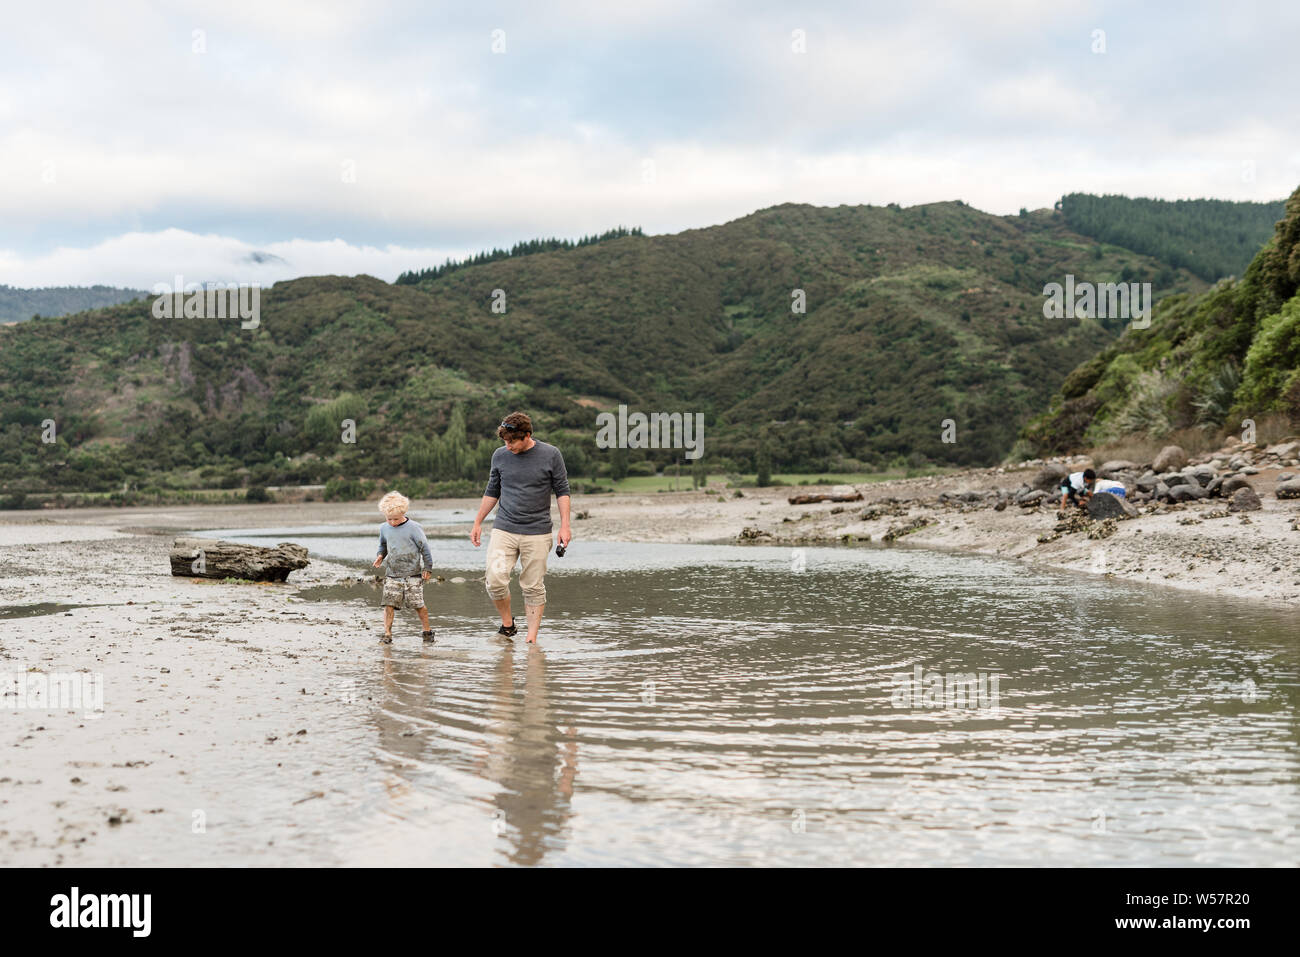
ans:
(524, 474)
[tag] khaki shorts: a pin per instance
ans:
(404, 592)
(506, 548)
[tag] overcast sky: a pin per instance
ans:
(136, 144)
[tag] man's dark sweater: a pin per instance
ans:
(524, 484)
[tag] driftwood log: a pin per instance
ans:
(213, 558)
(811, 497)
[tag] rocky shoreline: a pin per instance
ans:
(1227, 523)
(1173, 477)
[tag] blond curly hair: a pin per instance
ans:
(394, 502)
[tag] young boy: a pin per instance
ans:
(402, 541)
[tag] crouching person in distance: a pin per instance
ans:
(1076, 488)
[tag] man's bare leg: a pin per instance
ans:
(534, 613)
(424, 617)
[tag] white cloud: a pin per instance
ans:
(119, 130)
(139, 260)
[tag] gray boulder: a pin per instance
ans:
(1202, 473)
(1147, 482)
(1161, 491)
(1188, 493)
(1289, 489)
(1104, 505)
(1215, 485)
(1049, 477)
(1178, 478)
(1112, 468)
(1031, 499)
(1232, 483)
(1245, 500)
(1170, 459)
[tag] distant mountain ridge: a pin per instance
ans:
(18, 304)
(822, 339)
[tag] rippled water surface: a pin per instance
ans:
(743, 705)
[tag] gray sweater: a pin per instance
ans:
(524, 484)
(404, 545)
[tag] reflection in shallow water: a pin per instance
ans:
(530, 759)
(503, 730)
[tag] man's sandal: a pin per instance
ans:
(510, 632)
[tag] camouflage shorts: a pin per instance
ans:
(404, 592)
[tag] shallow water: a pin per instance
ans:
(745, 705)
(37, 609)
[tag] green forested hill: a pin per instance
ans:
(1207, 360)
(19, 304)
(1211, 238)
(529, 248)
(913, 316)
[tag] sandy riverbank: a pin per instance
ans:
(1193, 545)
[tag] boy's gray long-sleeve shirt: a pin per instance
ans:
(404, 545)
(523, 484)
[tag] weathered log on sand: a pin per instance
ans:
(810, 498)
(212, 558)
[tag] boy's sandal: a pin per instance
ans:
(428, 636)
(510, 632)
(386, 640)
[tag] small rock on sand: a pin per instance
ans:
(1245, 500)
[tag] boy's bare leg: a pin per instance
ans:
(534, 613)
(388, 620)
(503, 609)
